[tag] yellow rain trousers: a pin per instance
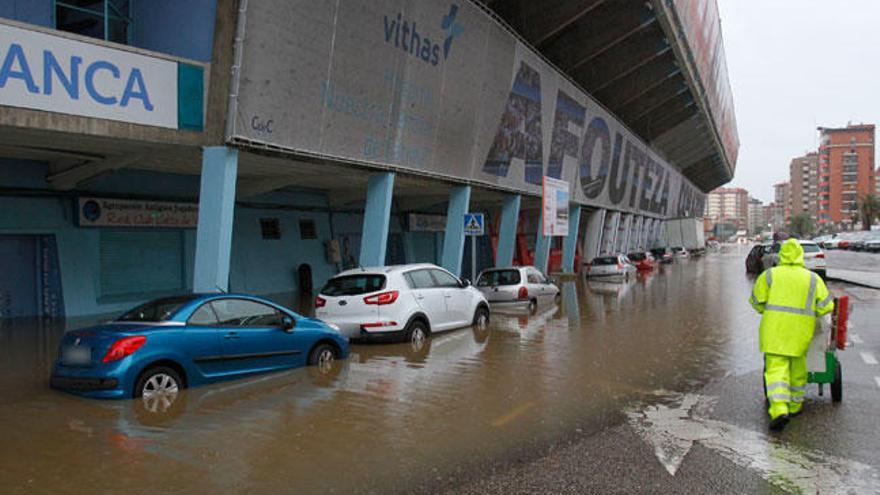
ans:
(789, 298)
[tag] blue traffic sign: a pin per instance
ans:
(473, 224)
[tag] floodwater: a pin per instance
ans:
(390, 419)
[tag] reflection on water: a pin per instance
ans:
(391, 417)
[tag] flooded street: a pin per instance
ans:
(389, 419)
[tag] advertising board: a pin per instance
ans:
(41, 71)
(437, 88)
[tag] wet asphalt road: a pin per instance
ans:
(535, 404)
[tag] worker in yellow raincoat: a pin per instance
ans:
(789, 298)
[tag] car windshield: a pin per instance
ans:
(637, 256)
(353, 285)
(677, 249)
(810, 248)
(658, 251)
(157, 310)
(492, 278)
(605, 260)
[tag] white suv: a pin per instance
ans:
(405, 302)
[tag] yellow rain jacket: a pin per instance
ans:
(789, 297)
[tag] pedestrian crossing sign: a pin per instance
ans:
(473, 224)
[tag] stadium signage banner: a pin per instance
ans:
(439, 88)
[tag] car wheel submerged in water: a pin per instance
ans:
(158, 388)
(322, 357)
(417, 335)
(481, 317)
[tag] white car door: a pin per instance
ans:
(538, 286)
(429, 297)
(458, 298)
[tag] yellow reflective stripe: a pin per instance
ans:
(769, 277)
(824, 302)
(812, 293)
(786, 309)
(776, 385)
(797, 398)
(798, 389)
(780, 397)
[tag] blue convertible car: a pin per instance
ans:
(191, 340)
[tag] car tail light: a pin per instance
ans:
(821, 255)
(523, 293)
(383, 298)
(124, 347)
(620, 266)
(379, 324)
(320, 302)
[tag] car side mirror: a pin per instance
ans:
(287, 323)
(465, 283)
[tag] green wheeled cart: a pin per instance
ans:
(833, 375)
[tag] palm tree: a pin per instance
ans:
(869, 207)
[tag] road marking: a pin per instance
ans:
(673, 430)
(868, 358)
(507, 418)
(856, 339)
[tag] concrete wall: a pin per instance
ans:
(179, 28)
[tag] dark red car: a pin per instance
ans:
(643, 261)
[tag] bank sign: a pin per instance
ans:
(56, 74)
(439, 88)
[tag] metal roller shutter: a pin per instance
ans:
(138, 264)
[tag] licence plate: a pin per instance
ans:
(76, 355)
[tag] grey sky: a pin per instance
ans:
(795, 65)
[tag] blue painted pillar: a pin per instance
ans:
(377, 219)
(542, 247)
(216, 210)
(569, 246)
(453, 239)
(507, 232)
(595, 227)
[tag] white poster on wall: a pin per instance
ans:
(48, 72)
(554, 202)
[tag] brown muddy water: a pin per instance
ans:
(389, 419)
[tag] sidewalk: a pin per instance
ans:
(864, 279)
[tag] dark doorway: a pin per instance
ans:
(30, 278)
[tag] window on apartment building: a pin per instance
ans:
(108, 20)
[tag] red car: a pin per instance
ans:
(643, 261)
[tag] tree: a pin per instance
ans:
(801, 226)
(869, 207)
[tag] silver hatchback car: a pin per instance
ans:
(516, 287)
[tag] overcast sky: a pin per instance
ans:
(795, 65)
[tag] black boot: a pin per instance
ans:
(778, 424)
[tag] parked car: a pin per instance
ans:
(516, 287)
(403, 302)
(184, 341)
(832, 243)
(662, 255)
(615, 265)
(814, 257)
(872, 243)
(679, 252)
(754, 259)
(643, 261)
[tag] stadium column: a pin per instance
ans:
(453, 239)
(542, 247)
(507, 231)
(595, 226)
(377, 219)
(569, 245)
(216, 213)
(609, 236)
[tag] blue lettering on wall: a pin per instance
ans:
(70, 82)
(16, 55)
(90, 81)
(67, 73)
(405, 35)
(135, 88)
